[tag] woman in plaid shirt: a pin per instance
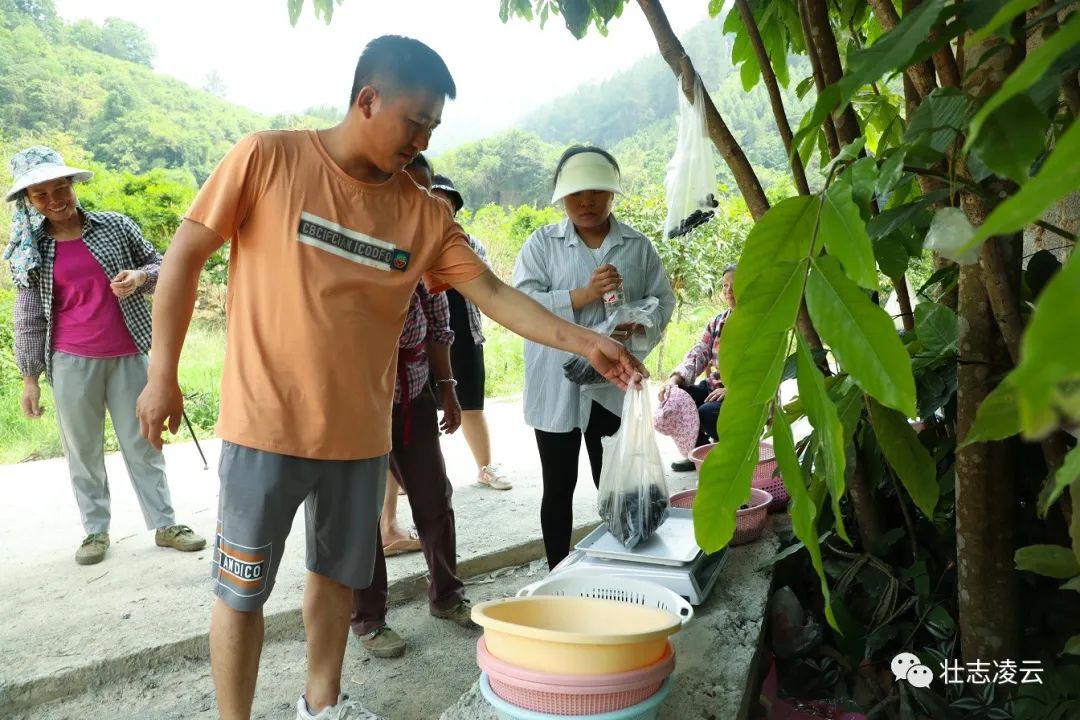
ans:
(81, 318)
(704, 358)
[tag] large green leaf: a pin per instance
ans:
(861, 335)
(822, 414)
(844, 233)
(891, 255)
(576, 13)
(907, 456)
(890, 173)
(895, 49)
(768, 306)
(938, 327)
(1066, 475)
(1034, 66)
(1006, 13)
(894, 219)
(782, 234)
(1058, 176)
(801, 507)
(756, 341)
(1012, 138)
(726, 472)
(1054, 561)
(998, 416)
(1048, 376)
(862, 175)
(933, 127)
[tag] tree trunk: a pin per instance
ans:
(829, 126)
(921, 74)
(985, 503)
(671, 49)
(903, 299)
(847, 124)
(867, 511)
(1070, 88)
(768, 77)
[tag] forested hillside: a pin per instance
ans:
(95, 85)
(634, 114)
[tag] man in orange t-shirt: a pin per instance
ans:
(328, 239)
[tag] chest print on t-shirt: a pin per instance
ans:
(355, 246)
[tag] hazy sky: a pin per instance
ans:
(502, 71)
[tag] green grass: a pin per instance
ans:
(22, 439)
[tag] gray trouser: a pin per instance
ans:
(82, 389)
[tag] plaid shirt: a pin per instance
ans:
(117, 244)
(476, 320)
(428, 317)
(702, 358)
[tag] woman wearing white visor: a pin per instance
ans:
(569, 267)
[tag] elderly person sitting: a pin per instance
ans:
(704, 358)
(82, 319)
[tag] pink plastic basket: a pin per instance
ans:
(573, 694)
(749, 523)
(763, 474)
(765, 477)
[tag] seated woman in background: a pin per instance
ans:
(569, 267)
(704, 358)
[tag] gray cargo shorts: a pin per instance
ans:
(260, 493)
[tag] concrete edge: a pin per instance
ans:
(280, 626)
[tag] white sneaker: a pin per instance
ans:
(491, 475)
(346, 709)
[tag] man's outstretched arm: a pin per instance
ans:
(521, 314)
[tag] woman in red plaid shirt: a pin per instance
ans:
(704, 358)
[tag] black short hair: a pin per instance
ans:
(729, 268)
(393, 63)
(421, 162)
(577, 150)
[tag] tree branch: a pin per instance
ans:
(847, 124)
(921, 74)
(944, 62)
(829, 126)
(673, 52)
(773, 87)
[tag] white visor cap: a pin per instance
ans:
(586, 171)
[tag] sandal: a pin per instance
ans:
(402, 546)
(492, 477)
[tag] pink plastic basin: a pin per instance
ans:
(573, 694)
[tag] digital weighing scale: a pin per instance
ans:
(670, 558)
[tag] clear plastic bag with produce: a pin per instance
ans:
(633, 494)
(690, 184)
(578, 370)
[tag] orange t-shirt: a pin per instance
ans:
(321, 270)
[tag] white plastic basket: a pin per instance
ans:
(637, 592)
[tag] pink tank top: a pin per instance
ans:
(86, 315)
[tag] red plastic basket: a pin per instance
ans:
(573, 694)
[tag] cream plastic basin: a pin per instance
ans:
(574, 635)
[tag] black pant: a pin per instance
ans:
(708, 412)
(559, 463)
